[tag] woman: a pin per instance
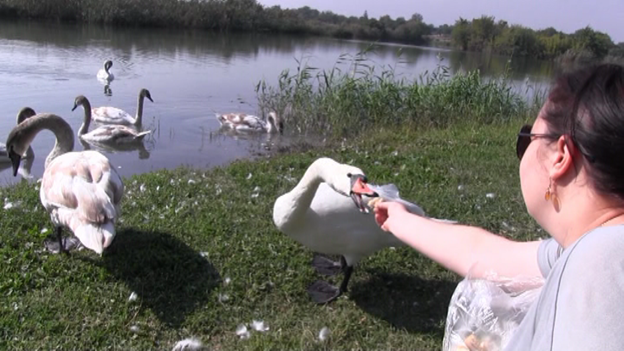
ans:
(572, 181)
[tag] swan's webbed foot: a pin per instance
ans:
(322, 292)
(326, 266)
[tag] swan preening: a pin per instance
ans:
(319, 213)
(24, 113)
(81, 191)
(109, 133)
(114, 115)
(242, 122)
(29, 157)
(104, 74)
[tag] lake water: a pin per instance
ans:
(191, 75)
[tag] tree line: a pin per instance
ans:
(480, 34)
(486, 34)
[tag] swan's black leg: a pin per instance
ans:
(59, 235)
(326, 266)
(54, 243)
(348, 270)
(322, 292)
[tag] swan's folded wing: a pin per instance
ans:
(253, 122)
(109, 113)
(85, 183)
(231, 118)
(115, 132)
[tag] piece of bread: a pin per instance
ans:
(374, 201)
(475, 344)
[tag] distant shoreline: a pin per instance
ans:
(483, 34)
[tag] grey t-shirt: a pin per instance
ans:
(581, 303)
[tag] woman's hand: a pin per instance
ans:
(388, 215)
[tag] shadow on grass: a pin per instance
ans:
(169, 277)
(406, 302)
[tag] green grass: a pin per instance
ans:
(398, 298)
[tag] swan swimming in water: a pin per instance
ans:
(81, 191)
(108, 133)
(114, 115)
(103, 74)
(319, 213)
(242, 122)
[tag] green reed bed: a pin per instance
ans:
(357, 95)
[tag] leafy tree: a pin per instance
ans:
(461, 33)
(597, 43)
(482, 33)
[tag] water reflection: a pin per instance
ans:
(193, 74)
(112, 148)
(199, 46)
(518, 68)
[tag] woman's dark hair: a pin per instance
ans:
(588, 105)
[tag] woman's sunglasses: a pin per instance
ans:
(525, 137)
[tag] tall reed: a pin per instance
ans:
(342, 101)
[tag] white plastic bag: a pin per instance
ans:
(390, 192)
(484, 313)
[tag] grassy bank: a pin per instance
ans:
(200, 251)
(357, 95)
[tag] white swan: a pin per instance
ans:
(109, 133)
(80, 190)
(114, 115)
(319, 213)
(242, 122)
(103, 74)
(21, 116)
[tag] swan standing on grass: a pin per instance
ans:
(242, 122)
(80, 190)
(114, 115)
(103, 74)
(110, 133)
(319, 213)
(24, 113)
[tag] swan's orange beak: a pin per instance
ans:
(360, 187)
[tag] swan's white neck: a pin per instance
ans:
(296, 202)
(138, 119)
(84, 128)
(271, 125)
(61, 129)
(64, 143)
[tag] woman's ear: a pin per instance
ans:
(562, 159)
